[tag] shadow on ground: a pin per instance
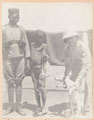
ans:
(31, 107)
(56, 110)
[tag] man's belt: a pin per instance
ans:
(9, 43)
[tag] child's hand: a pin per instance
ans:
(42, 76)
(69, 82)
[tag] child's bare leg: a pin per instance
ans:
(37, 95)
(42, 84)
(44, 108)
(43, 98)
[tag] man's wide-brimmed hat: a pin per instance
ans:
(69, 34)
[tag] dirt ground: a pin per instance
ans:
(57, 98)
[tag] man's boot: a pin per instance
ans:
(18, 100)
(11, 101)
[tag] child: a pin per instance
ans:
(38, 70)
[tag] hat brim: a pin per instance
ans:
(68, 37)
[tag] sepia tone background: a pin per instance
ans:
(51, 37)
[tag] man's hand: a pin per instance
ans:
(69, 82)
(77, 83)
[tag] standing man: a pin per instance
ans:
(77, 68)
(15, 50)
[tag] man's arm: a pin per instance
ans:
(86, 63)
(4, 47)
(27, 49)
(67, 63)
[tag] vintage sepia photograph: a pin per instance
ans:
(47, 59)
